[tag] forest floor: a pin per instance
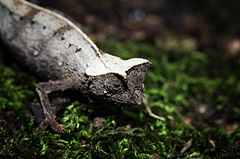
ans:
(191, 83)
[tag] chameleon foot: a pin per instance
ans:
(56, 126)
(53, 124)
(57, 104)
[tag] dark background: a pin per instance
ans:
(208, 24)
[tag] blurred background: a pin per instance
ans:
(201, 25)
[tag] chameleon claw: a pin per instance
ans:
(56, 126)
(53, 124)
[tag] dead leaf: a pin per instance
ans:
(202, 108)
(233, 46)
(98, 122)
(187, 145)
(230, 128)
(60, 144)
(187, 120)
(155, 156)
(128, 126)
(212, 142)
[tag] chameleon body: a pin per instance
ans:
(65, 58)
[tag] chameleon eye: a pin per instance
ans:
(113, 84)
(116, 83)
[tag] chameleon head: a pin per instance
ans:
(127, 89)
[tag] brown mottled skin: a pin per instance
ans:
(60, 54)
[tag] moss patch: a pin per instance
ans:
(197, 93)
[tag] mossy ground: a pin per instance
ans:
(178, 83)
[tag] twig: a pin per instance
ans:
(187, 145)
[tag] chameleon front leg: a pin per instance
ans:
(45, 88)
(57, 104)
(145, 102)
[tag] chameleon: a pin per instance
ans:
(65, 58)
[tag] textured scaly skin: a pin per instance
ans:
(58, 51)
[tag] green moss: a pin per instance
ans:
(176, 85)
(16, 87)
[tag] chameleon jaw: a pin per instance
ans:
(116, 88)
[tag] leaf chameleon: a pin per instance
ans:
(65, 58)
